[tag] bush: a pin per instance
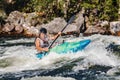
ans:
(95, 9)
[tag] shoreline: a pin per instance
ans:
(19, 24)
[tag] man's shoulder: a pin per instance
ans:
(37, 39)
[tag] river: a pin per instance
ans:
(95, 62)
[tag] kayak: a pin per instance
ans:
(66, 47)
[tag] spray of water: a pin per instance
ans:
(18, 58)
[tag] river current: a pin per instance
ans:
(96, 62)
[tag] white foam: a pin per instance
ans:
(23, 57)
(21, 40)
(48, 78)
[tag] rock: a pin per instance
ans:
(18, 22)
(31, 32)
(29, 24)
(79, 20)
(80, 23)
(94, 30)
(31, 18)
(71, 28)
(16, 18)
(18, 28)
(115, 27)
(103, 23)
(8, 27)
(55, 25)
(14, 22)
(58, 24)
(19, 18)
(118, 33)
(26, 26)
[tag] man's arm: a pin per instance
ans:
(54, 37)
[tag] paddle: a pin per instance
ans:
(69, 22)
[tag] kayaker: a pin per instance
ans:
(41, 42)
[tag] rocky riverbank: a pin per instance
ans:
(28, 24)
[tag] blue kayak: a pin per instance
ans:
(66, 47)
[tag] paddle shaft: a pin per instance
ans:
(70, 21)
(57, 37)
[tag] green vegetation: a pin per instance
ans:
(102, 9)
(53, 8)
(95, 9)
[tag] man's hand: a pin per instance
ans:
(59, 33)
(46, 49)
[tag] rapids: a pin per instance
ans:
(95, 62)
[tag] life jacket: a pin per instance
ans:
(43, 43)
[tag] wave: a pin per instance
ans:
(21, 57)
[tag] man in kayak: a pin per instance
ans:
(41, 42)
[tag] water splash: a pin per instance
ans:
(22, 57)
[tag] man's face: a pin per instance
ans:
(42, 36)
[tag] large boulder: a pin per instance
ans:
(103, 23)
(19, 28)
(21, 23)
(29, 24)
(94, 30)
(31, 18)
(8, 27)
(79, 21)
(57, 24)
(31, 31)
(115, 27)
(19, 18)
(16, 18)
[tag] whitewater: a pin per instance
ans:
(95, 62)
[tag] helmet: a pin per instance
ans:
(43, 30)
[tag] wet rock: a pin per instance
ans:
(94, 30)
(115, 27)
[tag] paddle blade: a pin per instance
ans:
(71, 19)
